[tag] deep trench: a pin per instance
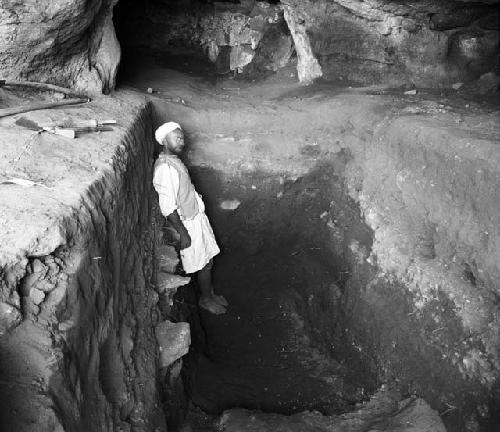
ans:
(285, 344)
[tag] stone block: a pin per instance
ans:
(173, 341)
(167, 281)
(308, 67)
(240, 56)
(274, 50)
(37, 296)
(167, 258)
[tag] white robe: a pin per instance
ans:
(203, 244)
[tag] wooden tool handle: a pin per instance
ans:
(86, 129)
(39, 106)
(67, 133)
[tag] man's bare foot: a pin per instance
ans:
(221, 300)
(212, 306)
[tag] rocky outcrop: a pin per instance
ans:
(308, 68)
(228, 34)
(425, 44)
(67, 42)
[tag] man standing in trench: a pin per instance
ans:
(185, 211)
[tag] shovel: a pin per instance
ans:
(83, 127)
(79, 130)
(30, 124)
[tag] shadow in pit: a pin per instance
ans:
(281, 346)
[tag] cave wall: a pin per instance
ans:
(425, 43)
(78, 304)
(67, 42)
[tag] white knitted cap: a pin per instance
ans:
(165, 129)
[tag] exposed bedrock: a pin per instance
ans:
(77, 346)
(381, 226)
(67, 42)
(308, 68)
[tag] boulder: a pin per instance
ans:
(240, 56)
(167, 282)
(167, 258)
(275, 49)
(173, 341)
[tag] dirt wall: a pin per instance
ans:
(78, 349)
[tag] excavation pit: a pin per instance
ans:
(282, 346)
(317, 199)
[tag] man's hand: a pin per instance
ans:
(175, 221)
(185, 240)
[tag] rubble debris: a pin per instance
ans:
(230, 204)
